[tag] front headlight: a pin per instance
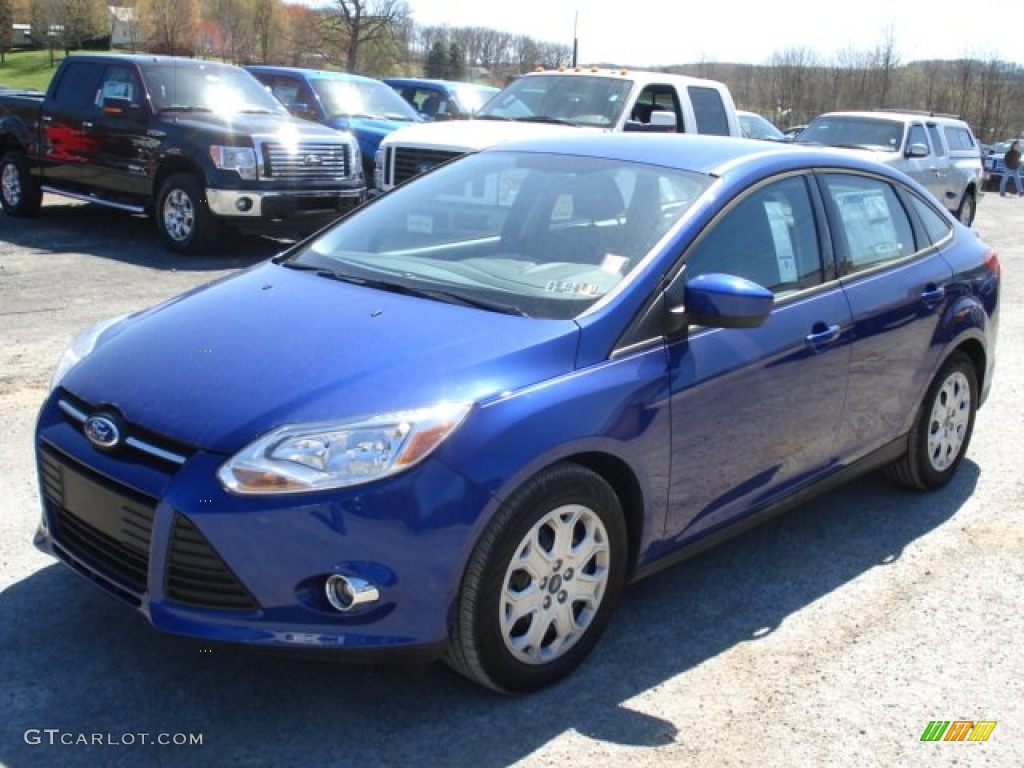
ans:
(315, 457)
(80, 348)
(239, 159)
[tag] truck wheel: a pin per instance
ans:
(183, 217)
(20, 194)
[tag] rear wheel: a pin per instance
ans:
(943, 429)
(542, 582)
(967, 210)
(20, 193)
(183, 217)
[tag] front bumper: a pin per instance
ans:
(168, 540)
(261, 211)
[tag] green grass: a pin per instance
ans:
(28, 69)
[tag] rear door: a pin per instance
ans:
(895, 280)
(68, 107)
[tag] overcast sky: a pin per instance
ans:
(664, 32)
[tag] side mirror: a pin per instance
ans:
(303, 110)
(117, 105)
(918, 150)
(663, 120)
(723, 301)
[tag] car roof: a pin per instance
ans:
(311, 74)
(711, 155)
(895, 116)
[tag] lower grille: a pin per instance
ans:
(197, 576)
(410, 161)
(101, 523)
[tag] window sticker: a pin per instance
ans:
(614, 263)
(419, 223)
(573, 287)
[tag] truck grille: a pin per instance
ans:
(306, 161)
(410, 161)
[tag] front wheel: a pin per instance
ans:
(542, 583)
(943, 429)
(20, 193)
(183, 217)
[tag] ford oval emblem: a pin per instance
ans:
(312, 160)
(102, 431)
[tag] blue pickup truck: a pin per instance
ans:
(367, 108)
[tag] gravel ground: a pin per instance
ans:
(829, 637)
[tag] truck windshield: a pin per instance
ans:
(860, 132)
(207, 87)
(356, 98)
(575, 99)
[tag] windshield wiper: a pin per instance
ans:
(183, 108)
(407, 290)
(543, 119)
(492, 117)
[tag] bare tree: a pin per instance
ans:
(169, 25)
(350, 25)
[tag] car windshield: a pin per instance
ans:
(856, 132)
(362, 98)
(540, 235)
(472, 97)
(572, 99)
(756, 127)
(207, 87)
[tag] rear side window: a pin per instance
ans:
(709, 110)
(936, 227)
(958, 138)
(77, 86)
(872, 227)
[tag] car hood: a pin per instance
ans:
(468, 135)
(271, 346)
(247, 124)
(368, 131)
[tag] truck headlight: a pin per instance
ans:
(242, 160)
(313, 457)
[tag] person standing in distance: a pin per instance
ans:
(1012, 161)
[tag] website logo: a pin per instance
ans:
(958, 730)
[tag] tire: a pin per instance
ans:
(20, 193)
(183, 217)
(967, 210)
(942, 432)
(557, 550)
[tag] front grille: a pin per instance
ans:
(305, 161)
(101, 523)
(410, 161)
(197, 576)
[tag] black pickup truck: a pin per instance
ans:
(198, 145)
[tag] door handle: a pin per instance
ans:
(822, 334)
(933, 294)
(87, 125)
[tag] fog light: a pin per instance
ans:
(346, 593)
(243, 204)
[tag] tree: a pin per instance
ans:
(351, 25)
(170, 25)
(433, 65)
(456, 64)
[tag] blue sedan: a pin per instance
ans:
(460, 420)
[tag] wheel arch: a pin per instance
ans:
(975, 351)
(168, 167)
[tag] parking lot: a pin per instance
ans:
(831, 636)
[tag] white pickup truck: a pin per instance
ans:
(558, 100)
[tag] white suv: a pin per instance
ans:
(939, 151)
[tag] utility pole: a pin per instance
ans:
(575, 39)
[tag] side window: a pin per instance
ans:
(77, 86)
(917, 136)
(958, 138)
(117, 83)
(935, 225)
(937, 142)
(286, 90)
(656, 98)
(872, 227)
(709, 109)
(770, 238)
